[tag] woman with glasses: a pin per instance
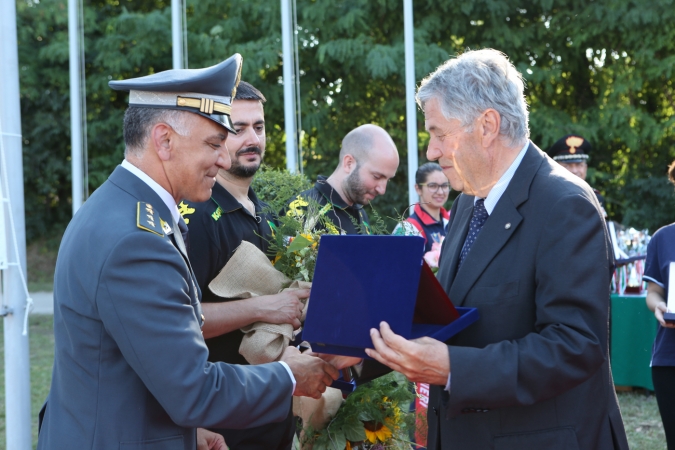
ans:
(429, 217)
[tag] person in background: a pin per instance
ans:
(368, 160)
(429, 218)
(571, 152)
(217, 227)
(660, 253)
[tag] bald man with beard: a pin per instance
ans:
(368, 160)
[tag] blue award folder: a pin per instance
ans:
(360, 281)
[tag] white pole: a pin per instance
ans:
(75, 105)
(177, 33)
(410, 105)
(289, 94)
(17, 361)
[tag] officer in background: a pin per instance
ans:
(368, 159)
(218, 226)
(130, 363)
(571, 152)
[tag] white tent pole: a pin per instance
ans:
(17, 361)
(289, 94)
(75, 105)
(410, 105)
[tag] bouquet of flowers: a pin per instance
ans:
(374, 417)
(295, 242)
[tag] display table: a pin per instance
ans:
(633, 329)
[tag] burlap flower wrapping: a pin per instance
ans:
(248, 274)
(317, 413)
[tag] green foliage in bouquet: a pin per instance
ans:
(276, 187)
(295, 241)
(374, 416)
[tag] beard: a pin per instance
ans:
(245, 171)
(354, 189)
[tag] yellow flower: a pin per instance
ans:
(348, 446)
(378, 432)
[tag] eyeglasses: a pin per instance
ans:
(434, 187)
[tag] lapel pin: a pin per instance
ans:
(507, 226)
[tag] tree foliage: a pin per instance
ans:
(603, 69)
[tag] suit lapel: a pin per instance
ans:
(497, 231)
(494, 235)
(452, 245)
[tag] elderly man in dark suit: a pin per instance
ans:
(130, 366)
(527, 246)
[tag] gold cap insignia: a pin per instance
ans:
(574, 142)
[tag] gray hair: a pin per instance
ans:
(475, 81)
(138, 121)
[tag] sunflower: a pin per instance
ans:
(377, 431)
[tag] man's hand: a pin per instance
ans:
(312, 374)
(208, 440)
(284, 307)
(337, 361)
(423, 360)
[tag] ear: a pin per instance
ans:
(489, 123)
(161, 136)
(348, 163)
(418, 189)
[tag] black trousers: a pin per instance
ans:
(273, 436)
(664, 388)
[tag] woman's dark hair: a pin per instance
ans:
(424, 170)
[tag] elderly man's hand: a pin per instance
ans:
(338, 361)
(423, 360)
(208, 440)
(312, 374)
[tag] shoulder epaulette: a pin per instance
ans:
(147, 219)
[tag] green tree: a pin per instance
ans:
(601, 69)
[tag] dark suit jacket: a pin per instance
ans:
(533, 372)
(130, 364)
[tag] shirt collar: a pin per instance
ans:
(228, 203)
(426, 218)
(159, 190)
(331, 195)
(498, 189)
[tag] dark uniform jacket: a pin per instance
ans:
(217, 227)
(346, 219)
(130, 363)
(533, 372)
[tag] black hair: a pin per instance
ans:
(246, 91)
(425, 170)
